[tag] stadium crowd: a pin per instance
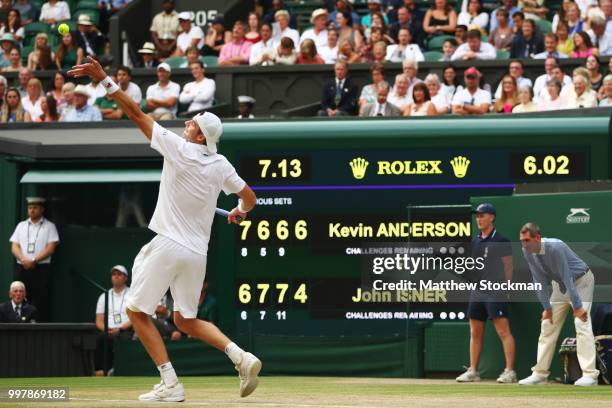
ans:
(390, 31)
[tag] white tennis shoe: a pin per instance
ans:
(533, 379)
(248, 369)
(163, 393)
(470, 375)
(585, 381)
(507, 377)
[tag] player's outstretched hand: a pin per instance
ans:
(91, 68)
(235, 216)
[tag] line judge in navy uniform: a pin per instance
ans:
(497, 253)
(17, 310)
(339, 94)
(32, 244)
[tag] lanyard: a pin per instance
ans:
(37, 232)
(113, 300)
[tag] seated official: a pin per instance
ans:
(339, 94)
(17, 310)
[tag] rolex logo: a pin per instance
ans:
(359, 166)
(460, 166)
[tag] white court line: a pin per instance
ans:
(215, 403)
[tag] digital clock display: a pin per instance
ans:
(273, 168)
(542, 165)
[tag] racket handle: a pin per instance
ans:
(224, 213)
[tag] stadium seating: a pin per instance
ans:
(545, 26)
(502, 54)
(435, 43)
(433, 55)
(209, 60)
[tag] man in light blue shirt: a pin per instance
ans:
(82, 112)
(510, 6)
(554, 265)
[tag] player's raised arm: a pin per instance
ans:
(93, 69)
(246, 204)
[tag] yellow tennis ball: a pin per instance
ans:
(63, 29)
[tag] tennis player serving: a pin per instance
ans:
(193, 175)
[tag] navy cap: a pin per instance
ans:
(484, 208)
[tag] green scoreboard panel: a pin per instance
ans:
(330, 193)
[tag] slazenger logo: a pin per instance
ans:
(578, 216)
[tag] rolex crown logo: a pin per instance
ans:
(460, 166)
(359, 166)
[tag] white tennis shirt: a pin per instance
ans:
(191, 182)
(35, 237)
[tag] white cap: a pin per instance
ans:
(17, 285)
(318, 12)
(246, 99)
(185, 15)
(35, 200)
(120, 268)
(211, 128)
(81, 89)
(164, 66)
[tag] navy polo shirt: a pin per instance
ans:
(492, 248)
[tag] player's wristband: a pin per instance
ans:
(109, 85)
(240, 207)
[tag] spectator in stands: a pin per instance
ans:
(472, 15)
(56, 92)
(5, 7)
(308, 53)
(508, 98)
(533, 9)
(124, 79)
(399, 95)
(417, 14)
(339, 94)
(3, 86)
(95, 90)
(48, 106)
(540, 86)
(33, 243)
(40, 58)
(565, 43)
(118, 323)
(147, 53)
(207, 306)
(421, 105)
(525, 97)
(461, 34)
(54, 11)
(367, 48)
(82, 111)
(347, 53)
(329, 52)
(379, 22)
(410, 68)
(343, 6)
(253, 28)
(528, 43)
(109, 109)
(554, 100)
(368, 92)
(12, 25)
(31, 102)
(109, 7)
(510, 7)
(600, 38)
(24, 77)
(236, 52)
(18, 309)
(574, 23)
(450, 83)
(517, 20)
(277, 5)
(346, 31)
(245, 107)
(583, 46)
(448, 49)
(606, 7)
(379, 52)
(215, 37)
(68, 96)
(163, 96)
(200, 93)
(583, 96)
(26, 9)
(163, 320)
(374, 6)
(440, 101)
(516, 71)
(7, 43)
(440, 19)
(380, 106)
(607, 92)
(474, 49)
(165, 28)
(501, 37)
(262, 52)
(68, 53)
(318, 33)
(550, 48)
(88, 37)
(191, 35)
(191, 55)
(15, 59)
(404, 49)
(285, 53)
(471, 100)
(595, 77)
(12, 109)
(281, 27)
(406, 19)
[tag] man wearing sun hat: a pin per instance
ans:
(33, 243)
(87, 36)
(471, 100)
(147, 53)
(193, 176)
(318, 33)
(82, 111)
(191, 35)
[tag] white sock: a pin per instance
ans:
(234, 353)
(168, 374)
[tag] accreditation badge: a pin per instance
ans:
(117, 318)
(31, 248)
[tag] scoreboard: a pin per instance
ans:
(331, 194)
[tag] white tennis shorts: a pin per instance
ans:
(162, 264)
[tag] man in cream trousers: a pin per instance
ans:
(553, 263)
